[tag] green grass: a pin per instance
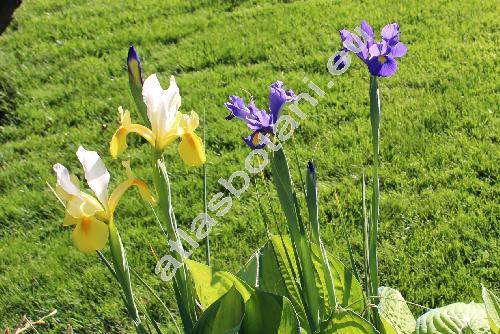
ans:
(63, 75)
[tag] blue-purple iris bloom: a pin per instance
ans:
(379, 57)
(260, 121)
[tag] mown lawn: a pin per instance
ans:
(63, 75)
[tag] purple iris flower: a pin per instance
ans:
(379, 57)
(260, 121)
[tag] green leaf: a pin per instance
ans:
(312, 205)
(225, 315)
(262, 271)
(269, 313)
(300, 245)
(393, 309)
(210, 285)
(456, 318)
(492, 304)
(387, 327)
(347, 322)
(269, 270)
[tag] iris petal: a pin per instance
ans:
(191, 150)
(398, 50)
(278, 97)
(96, 174)
(90, 235)
(390, 33)
(385, 68)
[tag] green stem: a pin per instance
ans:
(373, 230)
(182, 288)
(122, 275)
(366, 229)
(205, 203)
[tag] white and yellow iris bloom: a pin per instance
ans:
(87, 213)
(167, 123)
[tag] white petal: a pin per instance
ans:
(65, 182)
(162, 105)
(151, 94)
(169, 106)
(96, 173)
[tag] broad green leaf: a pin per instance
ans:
(347, 322)
(225, 315)
(387, 326)
(393, 308)
(269, 313)
(348, 290)
(262, 271)
(456, 318)
(210, 285)
(492, 304)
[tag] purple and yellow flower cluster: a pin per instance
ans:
(380, 57)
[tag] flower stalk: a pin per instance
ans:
(375, 210)
(122, 274)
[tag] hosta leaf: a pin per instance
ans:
(269, 313)
(454, 319)
(393, 308)
(211, 284)
(387, 327)
(262, 271)
(492, 304)
(224, 316)
(347, 322)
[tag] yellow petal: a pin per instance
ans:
(76, 208)
(90, 235)
(118, 143)
(191, 150)
(190, 122)
(70, 220)
(132, 181)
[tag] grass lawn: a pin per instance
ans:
(63, 75)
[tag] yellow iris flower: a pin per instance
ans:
(87, 213)
(167, 123)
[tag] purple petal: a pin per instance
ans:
(379, 49)
(398, 50)
(257, 140)
(237, 108)
(352, 42)
(278, 97)
(134, 66)
(382, 66)
(367, 29)
(390, 33)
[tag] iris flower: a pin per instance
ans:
(87, 213)
(167, 123)
(379, 57)
(258, 120)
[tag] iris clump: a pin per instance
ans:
(260, 121)
(380, 57)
